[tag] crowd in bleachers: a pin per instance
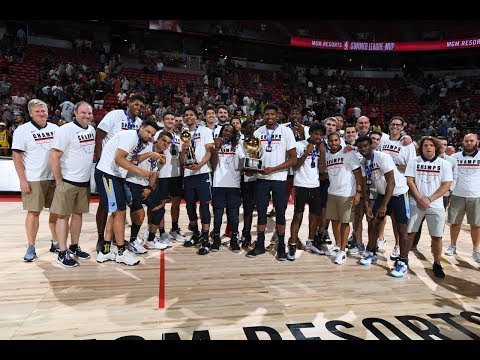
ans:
(431, 105)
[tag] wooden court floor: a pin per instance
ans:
(177, 294)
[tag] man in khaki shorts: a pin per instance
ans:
(343, 193)
(71, 159)
(31, 149)
(465, 198)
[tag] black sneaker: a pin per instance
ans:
(54, 248)
(194, 240)
(256, 251)
(216, 245)
(205, 248)
(82, 255)
(352, 244)
(64, 259)
(300, 245)
(292, 248)
(234, 245)
(246, 241)
(326, 237)
(281, 254)
(99, 246)
(438, 270)
(352, 239)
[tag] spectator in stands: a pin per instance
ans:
(5, 87)
(67, 108)
(4, 135)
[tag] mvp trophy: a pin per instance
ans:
(253, 149)
(189, 152)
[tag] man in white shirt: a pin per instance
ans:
(379, 170)
(170, 177)
(429, 177)
(226, 194)
(119, 156)
(401, 154)
(343, 193)
(71, 159)
(307, 189)
(114, 122)
(465, 198)
(279, 154)
(30, 151)
(196, 180)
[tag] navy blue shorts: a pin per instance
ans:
(111, 190)
(399, 205)
(248, 192)
(324, 184)
(197, 188)
(151, 201)
(310, 196)
(278, 189)
(172, 186)
(223, 197)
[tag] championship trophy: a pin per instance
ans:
(253, 149)
(189, 152)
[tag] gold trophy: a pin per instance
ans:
(189, 152)
(253, 149)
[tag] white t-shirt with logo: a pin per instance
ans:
(401, 154)
(127, 140)
(115, 121)
(282, 140)
(35, 144)
(201, 136)
(468, 183)
(146, 164)
(227, 172)
(171, 168)
(383, 163)
(78, 145)
(428, 176)
(340, 168)
(306, 176)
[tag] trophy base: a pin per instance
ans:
(190, 162)
(252, 164)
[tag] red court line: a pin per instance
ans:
(161, 285)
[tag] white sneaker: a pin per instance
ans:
(340, 259)
(145, 234)
(371, 257)
(395, 253)
(476, 255)
(127, 258)
(333, 251)
(155, 244)
(399, 270)
(137, 246)
(381, 243)
(175, 234)
(164, 239)
(101, 257)
(452, 249)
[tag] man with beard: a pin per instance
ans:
(465, 198)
